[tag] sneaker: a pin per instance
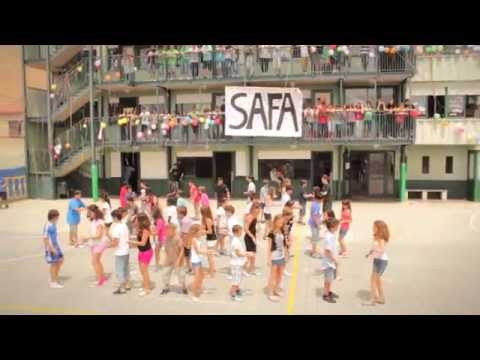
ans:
(55, 285)
(328, 299)
(244, 274)
(333, 295)
(184, 291)
(195, 299)
(119, 291)
(165, 291)
(144, 293)
(274, 298)
(286, 273)
(237, 298)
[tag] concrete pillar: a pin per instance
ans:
(476, 177)
(403, 173)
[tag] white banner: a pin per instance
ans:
(263, 111)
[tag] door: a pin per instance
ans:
(358, 173)
(471, 175)
(321, 165)
(223, 167)
(376, 173)
(131, 169)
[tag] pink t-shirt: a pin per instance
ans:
(161, 230)
(204, 200)
(346, 216)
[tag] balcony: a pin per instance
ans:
(450, 131)
(382, 128)
(287, 66)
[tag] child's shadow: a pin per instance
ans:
(363, 295)
(64, 279)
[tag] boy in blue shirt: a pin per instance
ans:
(53, 252)
(75, 206)
(315, 222)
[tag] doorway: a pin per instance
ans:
(321, 165)
(131, 169)
(372, 173)
(223, 167)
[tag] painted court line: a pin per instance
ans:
(26, 257)
(46, 310)
(293, 282)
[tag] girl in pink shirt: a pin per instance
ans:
(345, 226)
(161, 230)
(204, 200)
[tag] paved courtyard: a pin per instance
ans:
(434, 268)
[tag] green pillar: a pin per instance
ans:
(94, 171)
(403, 174)
(476, 177)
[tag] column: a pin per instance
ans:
(346, 172)
(476, 177)
(403, 173)
(94, 167)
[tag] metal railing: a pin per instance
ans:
(278, 61)
(340, 126)
(16, 187)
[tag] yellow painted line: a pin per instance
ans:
(46, 310)
(293, 282)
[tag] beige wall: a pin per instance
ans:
(36, 78)
(12, 153)
(447, 68)
(432, 132)
(437, 156)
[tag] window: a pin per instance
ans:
(387, 94)
(360, 95)
(472, 108)
(436, 105)
(420, 103)
(300, 168)
(456, 105)
(449, 165)
(425, 164)
(200, 167)
(15, 128)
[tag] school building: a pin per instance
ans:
(78, 117)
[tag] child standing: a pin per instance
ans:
(344, 226)
(287, 214)
(276, 257)
(263, 194)
(315, 222)
(173, 260)
(232, 220)
(221, 192)
(222, 227)
(120, 235)
(209, 227)
(98, 242)
(185, 223)
(145, 252)
(193, 237)
(302, 200)
(53, 252)
(250, 229)
(381, 236)
(194, 197)
(75, 206)
(239, 258)
(204, 200)
(106, 207)
(330, 261)
(160, 227)
(171, 212)
(132, 211)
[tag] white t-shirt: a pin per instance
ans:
(251, 187)
(93, 232)
(237, 244)
(195, 258)
(231, 222)
(330, 244)
(107, 213)
(171, 213)
(377, 253)
(221, 217)
(120, 232)
(285, 198)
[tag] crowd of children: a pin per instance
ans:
(191, 245)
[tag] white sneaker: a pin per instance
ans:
(195, 299)
(55, 285)
(245, 274)
(286, 273)
(81, 246)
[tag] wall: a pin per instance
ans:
(447, 68)
(433, 132)
(455, 183)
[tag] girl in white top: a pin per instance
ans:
(381, 235)
(106, 209)
(196, 252)
(221, 227)
(98, 241)
(276, 258)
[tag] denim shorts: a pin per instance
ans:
(122, 270)
(278, 262)
(196, 265)
(379, 266)
(330, 274)
(315, 234)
